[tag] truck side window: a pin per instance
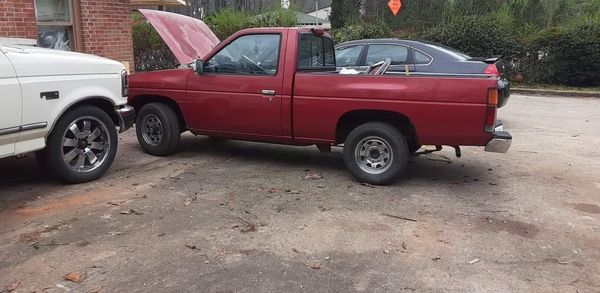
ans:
(315, 53)
(248, 55)
(377, 53)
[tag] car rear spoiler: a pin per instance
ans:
(491, 60)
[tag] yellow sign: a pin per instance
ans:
(395, 6)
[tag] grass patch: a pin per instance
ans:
(555, 88)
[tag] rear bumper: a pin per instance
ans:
(501, 140)
(126, 116)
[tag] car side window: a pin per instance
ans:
(247, 55)
(348, 56)
(377, 53)
(421, 58)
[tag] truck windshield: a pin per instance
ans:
(315, 53)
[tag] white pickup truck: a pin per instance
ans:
(64, 106)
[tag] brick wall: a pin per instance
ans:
(106, 29)
(105, 26)
(17, 19)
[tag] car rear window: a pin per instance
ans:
(315, 53)
(421, 58)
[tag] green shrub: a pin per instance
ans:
(276, 17)
(227, 21)
(149, 50)
(568, 55)
(365, 30)
(476, 36)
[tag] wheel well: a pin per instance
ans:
(140, 101)
(353, 119)
(103, 103)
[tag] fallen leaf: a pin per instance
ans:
(13, 286)
(193, 247)
(250, 227)
(314, 265)
(73, 277)
(314, 176)
(475, 260)
(189, 200)
(399, 217)
(131, 212)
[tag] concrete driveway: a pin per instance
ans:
(246, 217)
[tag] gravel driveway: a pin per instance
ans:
(228, 216)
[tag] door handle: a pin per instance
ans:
(268, 92)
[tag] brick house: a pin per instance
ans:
(90, 26)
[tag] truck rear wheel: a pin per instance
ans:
(376, 153)
(157, 129)
(82, 145)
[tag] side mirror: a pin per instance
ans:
(198, 66)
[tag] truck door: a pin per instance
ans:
(240, 90)
(10, 107)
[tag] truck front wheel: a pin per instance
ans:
(157, 129)
(82, 145)
(376, 153)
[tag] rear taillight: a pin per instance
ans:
(490, 110)
(492, 69)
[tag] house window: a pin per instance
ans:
(55, 24)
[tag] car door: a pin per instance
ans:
(10, 107)
(240, 89)
(400, 55)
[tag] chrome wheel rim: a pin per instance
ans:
(85, 144)
(152, 129)
(373, 155)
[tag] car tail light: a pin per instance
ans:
(490, 110)
(492, 69)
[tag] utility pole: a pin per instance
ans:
(316, 12)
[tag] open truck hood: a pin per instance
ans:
(187, 37)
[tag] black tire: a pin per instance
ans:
(54, 157)
(157, 129)
(374, 139)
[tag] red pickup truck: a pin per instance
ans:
(280, 85)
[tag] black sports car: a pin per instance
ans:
(420, 58)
